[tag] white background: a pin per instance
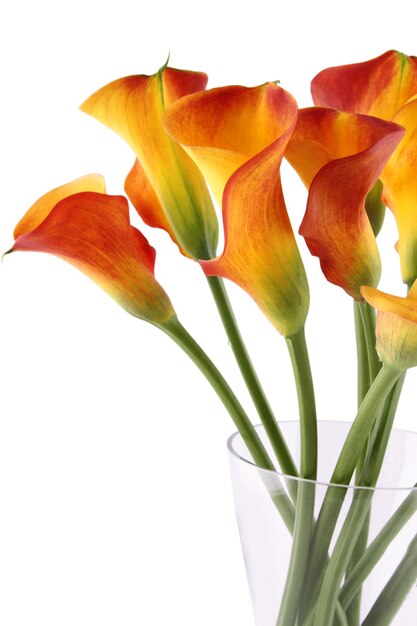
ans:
(115, 501)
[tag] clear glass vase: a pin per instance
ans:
(384, 520)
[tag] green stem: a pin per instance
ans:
(304, 518)
(358, 514)
(368, 367)
(340, 618)
(358, 511)
(377, 548)
(395, 591)
(348, 459)
(299, 554)
(382, 432)
(180, 335)
(250, 377)
(300, 361)
(367, 314)
(364, 381)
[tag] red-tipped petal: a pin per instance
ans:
(377, 87)
(92, 232)
(340, 157)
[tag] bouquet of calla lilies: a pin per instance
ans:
(356, 153)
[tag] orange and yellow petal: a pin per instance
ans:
(133, 107)
(377, 87)
(145, 201)
(237, 136)
(400, 190)
(92, 232)
(42, 207)
(340, 157)
(396, 326)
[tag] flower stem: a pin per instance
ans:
(362, 354)
(348, 459)
(395, 591)
(304, 517)
(250, 377)
(180, 335)
(367, 314)
(358, 515)
(368, 368)
(377, 548)
(300, 361)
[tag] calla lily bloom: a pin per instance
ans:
(92, 231)
(396, 326)
(400, 190)
(378, 87)
(385, 87)
(339, 157)
(165, 186)
(237, 136)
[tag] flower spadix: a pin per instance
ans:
(237, 136)
(396, 326)
(164, 185)
(340, 157)
(385, 87)
(92, 231)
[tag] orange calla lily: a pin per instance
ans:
(385, 87)
(396, 326)
(400, 190)
(237, 136)
(340, 156)
(92, 231)
(165, 186)
(377, 87)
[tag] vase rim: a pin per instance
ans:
(235, 454)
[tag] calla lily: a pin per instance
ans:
(385, 87)
(92, 231)
(396, 326)
(339, 157)
(400, 190)
(237, 136)
(378, 87)
(165, 186)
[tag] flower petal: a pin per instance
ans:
(340, 156)
(237, 136)
(145, 201)
(133, 107)
(400, 190)
(92, 232)
(42, 207)
(396, 326)
(377, 87)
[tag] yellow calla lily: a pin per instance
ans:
(175, 194)
(396, 326)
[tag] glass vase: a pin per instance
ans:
(375, 533)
